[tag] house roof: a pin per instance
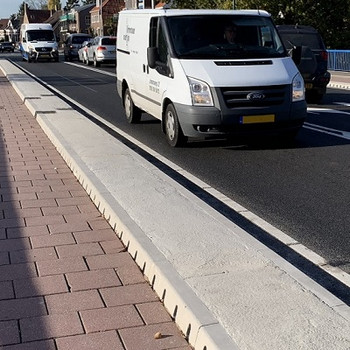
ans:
(96, 8)
(4, 22)
(37, 16)
(84, 7)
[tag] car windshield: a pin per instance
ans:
(224, 36)
(301, 39)
(108, 41)
(40, 35)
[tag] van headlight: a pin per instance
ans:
(298, 88)
(200, 93)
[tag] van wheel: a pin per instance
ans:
(133, 114)
(173, 132)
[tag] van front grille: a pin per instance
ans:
(254, 96)
(43, 49)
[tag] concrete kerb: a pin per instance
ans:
(339, 85)
(191, 315)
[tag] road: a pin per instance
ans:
(303, 189)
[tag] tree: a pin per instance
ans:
(203, 4)
(330, 18)
(54, 4)
(38, 4)
(21, 10)
(71, 3)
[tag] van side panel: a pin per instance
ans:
(132, 43)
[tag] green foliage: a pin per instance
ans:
(53, 4)
(71, 3)
(330, 18)
(204, 4)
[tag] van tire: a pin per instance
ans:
(133, 113)
(172, 128)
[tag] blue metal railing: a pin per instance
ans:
(339, 60)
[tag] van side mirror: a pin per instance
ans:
(152, 55)
(24, 40)
(296, 54)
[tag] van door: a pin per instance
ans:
(158, 77)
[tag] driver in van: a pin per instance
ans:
(230, 33)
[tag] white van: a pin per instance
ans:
(37, 40)
(182, 67)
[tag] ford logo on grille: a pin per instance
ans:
(255, 96)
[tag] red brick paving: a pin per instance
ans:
(66, 281)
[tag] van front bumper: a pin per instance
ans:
(35, 55)
(208, 122)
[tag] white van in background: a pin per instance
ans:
(184, 68)
(37, 40)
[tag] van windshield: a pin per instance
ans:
(224, 36)
(40, 35)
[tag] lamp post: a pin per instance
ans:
(100, 21)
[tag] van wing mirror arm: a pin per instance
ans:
(152, 57)
(296, 54)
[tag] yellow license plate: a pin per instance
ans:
(251, 119)
(308, 86)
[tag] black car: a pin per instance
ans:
(72, 45)
(314, 58)
(7, 46)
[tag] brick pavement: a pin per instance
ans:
(66, 280)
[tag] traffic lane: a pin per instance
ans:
(95, 91)
(300, 189)
(333, 113)
(303, 189)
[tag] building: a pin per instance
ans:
(77, 20)
(3, 29)
(9, 29)
(104, 16)
(35, 16)
(43, 16)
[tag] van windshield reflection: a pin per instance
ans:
(224, 36)
(40, 35)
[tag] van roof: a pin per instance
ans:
(173, 12)
(37, 25)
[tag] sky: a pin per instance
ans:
(8, 7)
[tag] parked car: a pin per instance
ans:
(82, 52)
(7, 46)
(314, 58)
(73, 44)
(102, 49)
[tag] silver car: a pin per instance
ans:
(82, 52)
(102, 49)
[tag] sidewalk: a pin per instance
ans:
(66, 280)
(339, 80)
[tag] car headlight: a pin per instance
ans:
(298, 88)
(200, 93)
